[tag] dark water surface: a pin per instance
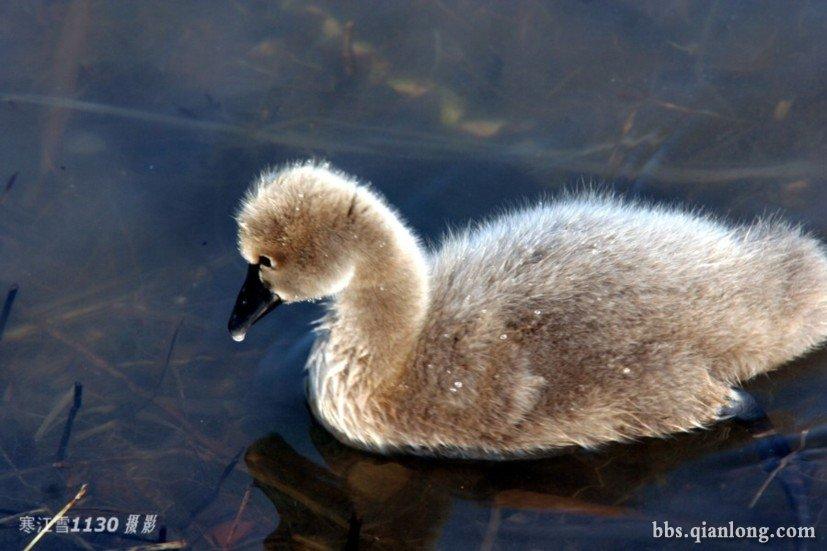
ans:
(128, 132)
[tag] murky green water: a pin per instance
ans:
(128, 131)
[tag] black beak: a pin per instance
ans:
(253, 303)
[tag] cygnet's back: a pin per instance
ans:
(592, 319)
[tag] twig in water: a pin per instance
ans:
(4, 315)
(347, 49)
(59, 406)
(271, 135)
(10, 182)
(10, 518)
(16, 472)
(214, 494)
(234, 525)
(164, 368)
(765, 485)
(88, 433)
(177, 544)
(57, 517)
(491, 530)
(67, 429)
(783, 462)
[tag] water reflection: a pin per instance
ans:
(355, 500)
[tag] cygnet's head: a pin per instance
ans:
(295, 230)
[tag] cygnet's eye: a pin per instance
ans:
(264, 261)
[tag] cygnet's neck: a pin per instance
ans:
(380, 314)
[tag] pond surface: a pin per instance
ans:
(128, 132)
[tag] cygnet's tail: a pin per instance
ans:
(794, 285)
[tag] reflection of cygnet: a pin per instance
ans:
(578, 322)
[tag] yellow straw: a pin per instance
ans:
(55, 518)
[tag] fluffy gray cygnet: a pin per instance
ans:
(578, 322)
